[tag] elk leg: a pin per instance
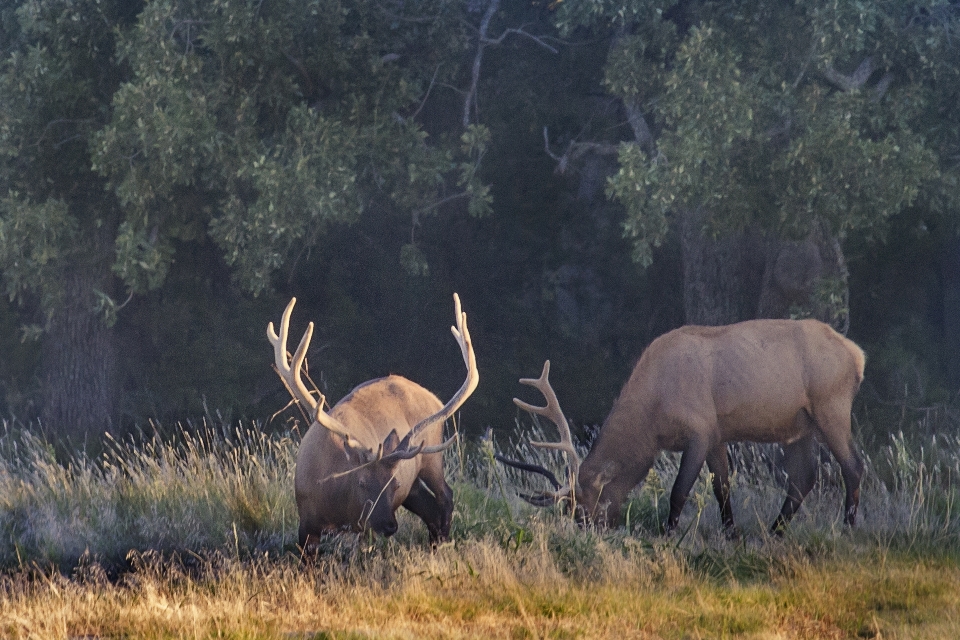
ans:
(432, 477)
(433, 506)
(800, 463)
(690, 464)
(303, 537)
(834, 425)
(719, 466)
(852, 469)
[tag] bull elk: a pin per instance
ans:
(378, 448)
(697, 388)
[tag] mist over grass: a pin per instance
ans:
(194, 533)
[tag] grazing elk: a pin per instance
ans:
(697, 388)
(378, 448)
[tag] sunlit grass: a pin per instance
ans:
(194, 536)
(480, 588)
(205, 489)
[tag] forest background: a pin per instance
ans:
(587, 175)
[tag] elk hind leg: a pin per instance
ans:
(800, 464)
(833, 422)
(719, 466)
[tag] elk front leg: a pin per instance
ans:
(432, 500)
(690, 464)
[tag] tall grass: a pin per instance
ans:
(194, 535)
(204, 488)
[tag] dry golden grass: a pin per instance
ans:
(479, 589)
(195, 540)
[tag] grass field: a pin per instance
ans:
(193, 535)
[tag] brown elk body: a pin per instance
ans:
(697, 388)
(380, 447)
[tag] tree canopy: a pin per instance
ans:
(787, 114)
(263, 123)
(587, 174)
(130, 128)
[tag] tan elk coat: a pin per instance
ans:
(696, 388)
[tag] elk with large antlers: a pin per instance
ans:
(378, 448)
(697, 388)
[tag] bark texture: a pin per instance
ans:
(752, 274)
(950, 272)
(78, 362)
(721, 276)
(807, 276)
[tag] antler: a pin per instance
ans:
(404, 451)
(553, 413)
(462, 335)
(290, 372)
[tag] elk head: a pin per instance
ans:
(585, 500)
(366, 490)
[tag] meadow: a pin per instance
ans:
(193, 534)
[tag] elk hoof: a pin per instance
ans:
(779, 527)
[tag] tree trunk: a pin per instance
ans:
(950, 272)
(722, 276)
(753, 274)
(806, 278)
(78, 362)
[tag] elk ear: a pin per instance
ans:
(609, 471)
(358, 454)
(391, 443)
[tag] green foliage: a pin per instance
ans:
(34, 238)
(258, 123)
(302, 186)
(263, 123)
(474, 143)
(613, 14)
(413, 262)
(136, 135)
(315, 147)
(755, 127)
(636, 65)
(54, 82)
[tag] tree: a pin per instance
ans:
(766, 133)
(263, 123)
(55, 221)
(130, 130)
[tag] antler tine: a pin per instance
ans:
(528, 466)
(443, 446)
(552, 412)
(545, 498)
(462, 334)
(290, 371)
(405, 452)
